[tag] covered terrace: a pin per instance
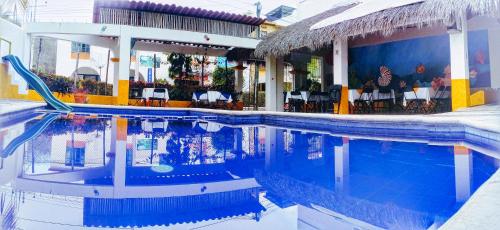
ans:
(128, 30)
(402, 57)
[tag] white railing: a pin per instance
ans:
(5, 43)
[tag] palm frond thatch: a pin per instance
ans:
(386, 22)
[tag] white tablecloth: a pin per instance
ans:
(150, 125)
(149, 92)
(424, 93)
(304, 95)
(354, 95)
(212, 97)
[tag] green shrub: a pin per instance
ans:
(248, 99)
(223, 81)
(65, 85)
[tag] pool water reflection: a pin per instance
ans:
(143, 172)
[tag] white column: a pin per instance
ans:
(342, 166)
(120, 82)
(119, 149)
(274, 146)
(136, 72)
(239, 78)
(238, 141)
(274, 83)
(494, 45)
(340, 71)
(463, 173)
(116, 71)
(459, 62)
(280, 81)
(322, 75)
(340, 61)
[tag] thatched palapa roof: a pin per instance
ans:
(386, 22)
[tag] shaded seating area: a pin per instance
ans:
(313, 102)
(388, 61)
(212, 99)
(149, 97)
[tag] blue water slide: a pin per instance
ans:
(36, 83)
(33, 132)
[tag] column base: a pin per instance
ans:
(460, 94)
(344, 101)
(123, 91)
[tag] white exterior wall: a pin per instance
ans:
(93, 148)
(65, 65)
(494, 45)
(20, 47)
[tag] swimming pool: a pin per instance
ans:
(189, 170)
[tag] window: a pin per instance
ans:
(75, 156)
(314, 69)
(77, 47)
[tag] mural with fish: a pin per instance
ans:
(422, 62)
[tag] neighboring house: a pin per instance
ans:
(92, 61)
(60, 57)
(268, 27)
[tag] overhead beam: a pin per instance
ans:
(192, 37)
(155, 47)
(72, 28)
(140, 32)
(92, 40)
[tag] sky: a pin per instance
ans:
(81, 10)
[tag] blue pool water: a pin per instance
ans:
(76, 171)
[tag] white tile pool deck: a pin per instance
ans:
(480, 211)
(10, 106)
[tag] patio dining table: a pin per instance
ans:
(318, 98)
(304, 95)
(355, 94)
(423, 93)
(212, 97)
(149, 92)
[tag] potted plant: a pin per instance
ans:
(80, 95)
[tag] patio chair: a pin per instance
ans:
(236, 99)
(335, 96)
(221, 102)
(314, 102)
(296, 101)
(440, 102)
(135, 95)
(364, 103)
(286, 106)
(412, 103)
(384, 100)
(200, 103)
(159, 95)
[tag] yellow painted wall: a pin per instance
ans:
(460, 94)
(478, 98)
(10, 91)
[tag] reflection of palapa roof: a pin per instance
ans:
(141, 212)
(382, 215)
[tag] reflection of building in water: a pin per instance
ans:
(353, 183)
(76, 150)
